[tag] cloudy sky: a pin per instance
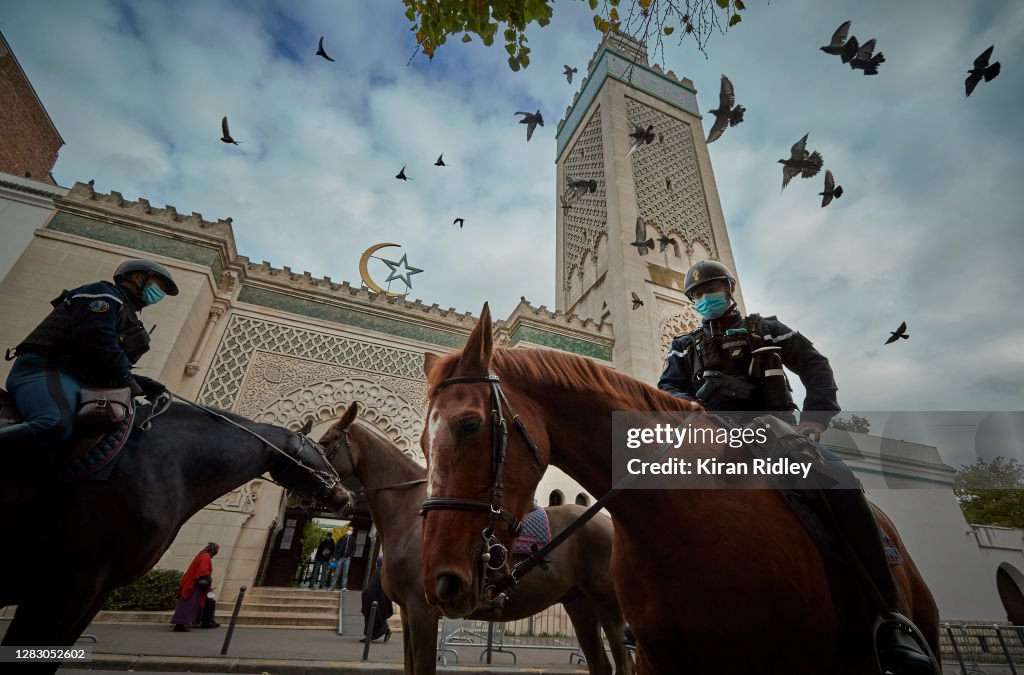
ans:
(929, 231)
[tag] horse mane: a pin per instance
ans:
(565, 371)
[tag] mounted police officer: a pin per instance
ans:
(91, 338)
(733, 364)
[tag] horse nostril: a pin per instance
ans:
(448, 586)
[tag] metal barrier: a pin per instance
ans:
(972, 646)
(549, 630)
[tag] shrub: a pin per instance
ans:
(155, 591)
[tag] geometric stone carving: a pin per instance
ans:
(245, 336)
(587, 220)
(239, 500)
(675, 319)
(682, 210)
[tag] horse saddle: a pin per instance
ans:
(536, 532)
(82, 457)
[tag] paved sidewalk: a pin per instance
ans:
(277, 651)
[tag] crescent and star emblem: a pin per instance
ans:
(401, 270)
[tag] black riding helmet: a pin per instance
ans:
(150, 269)
(707, 271)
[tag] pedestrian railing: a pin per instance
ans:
(548, 630)
(973, 646)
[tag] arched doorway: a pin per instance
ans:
(556, 498)
(1007, 583)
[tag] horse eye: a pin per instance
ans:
(468, 427)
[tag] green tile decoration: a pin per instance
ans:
(558, 341)
(122, 235)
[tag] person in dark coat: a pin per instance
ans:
(342, 559)
(321, 562)
(374, 591)
(92, 338)
(195, 606)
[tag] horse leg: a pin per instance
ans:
(588, 634)
(406, 642)
(610, 616)
(40, 624)
(421, 659)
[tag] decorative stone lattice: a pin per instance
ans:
(240, 500)
(675, 319)
(683, 209)
(394, 405)
(246, 335)
(587, 220)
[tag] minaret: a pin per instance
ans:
(668, 183)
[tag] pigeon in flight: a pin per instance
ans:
(832, 191)
(982, 69)
(637, 302)
(568, 73)
(579, 187)
(642, 245)
(459, 221)
(440, 160)
(664, 241)
(863, 60)
(226, 138)
(727, 114)
(531, 120)
(900, 332)
(320, 50)
(401, 174)
(800, 162)
(640, 137)
(835, 45)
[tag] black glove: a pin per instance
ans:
(150, 388)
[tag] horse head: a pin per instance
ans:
(337, 442)
(486, 451)
(307, 472)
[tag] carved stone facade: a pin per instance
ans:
(586, 222)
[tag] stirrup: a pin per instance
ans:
(911, 629)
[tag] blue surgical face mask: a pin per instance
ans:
(152, 294)
(712, 305)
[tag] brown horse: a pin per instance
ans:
(577, 575)
(712, 581)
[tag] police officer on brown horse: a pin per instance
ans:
(734, 364)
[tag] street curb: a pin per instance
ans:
(228, 664)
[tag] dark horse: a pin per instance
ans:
(108, 533)
(577, 575)
(712, 581)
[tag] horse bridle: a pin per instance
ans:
(344, 441)
(494, 555)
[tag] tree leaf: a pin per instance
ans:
(668, 30)
(644, 4)
(735, 19)
(724, 4)
(740, 6)
(467, 38)
(593, 4)
(614, 14)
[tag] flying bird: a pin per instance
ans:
(401, 174)
(832, 191)
(531, 120)
(835, 45)
(637, 302)
(727, 114)
(579, 187)
(800, 162)
(640, 137)
(227, 134)
(664, 241)
(900, 332)
(642, 245)
(320, 50)
(981, 69)
(863, 60)
(568, 73)
(440, 160)
(459, 221)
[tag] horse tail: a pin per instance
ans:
(921, 607)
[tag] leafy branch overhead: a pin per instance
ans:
(649, 21)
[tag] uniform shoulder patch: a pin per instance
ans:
(99, 306)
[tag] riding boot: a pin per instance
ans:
(899, 652)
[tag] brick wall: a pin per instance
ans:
(28, 141)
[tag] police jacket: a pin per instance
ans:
(94, 332)
(685, 365)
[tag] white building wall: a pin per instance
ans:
(25, 205)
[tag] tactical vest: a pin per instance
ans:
(53, 336)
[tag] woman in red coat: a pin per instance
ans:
(194, 607)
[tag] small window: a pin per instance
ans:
(556, 498)
(582, 499)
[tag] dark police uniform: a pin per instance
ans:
(725, 345)
(92, 337)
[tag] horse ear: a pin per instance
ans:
(348, 417)
(477, 354)
(430, 360)
(306, 428)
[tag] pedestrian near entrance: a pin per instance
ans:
(196, 604)
(320, 562)
(342, 558)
